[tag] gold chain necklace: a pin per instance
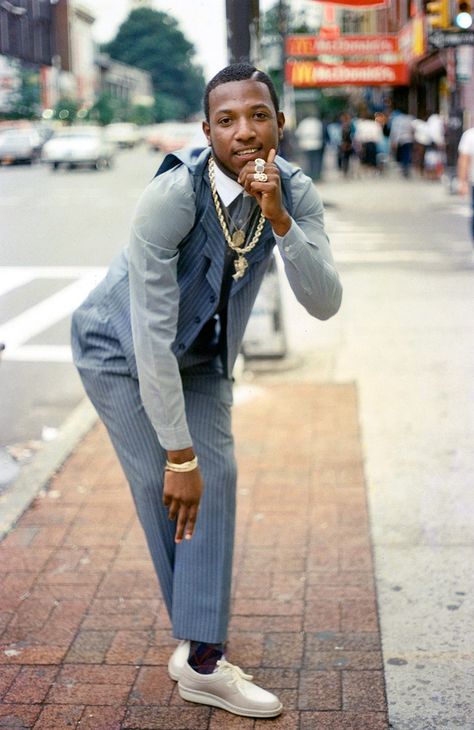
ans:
(237, 240)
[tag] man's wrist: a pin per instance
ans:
(281, 225)
(180, 456)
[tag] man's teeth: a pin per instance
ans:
(247, 152)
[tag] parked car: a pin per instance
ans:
(19, 145)
(78, 147)
(123, 134)
(172, 136)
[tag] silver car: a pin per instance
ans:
(79, 147)
(19, 145)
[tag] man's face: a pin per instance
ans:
(243, 124)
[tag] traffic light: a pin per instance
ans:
(438, 13)
(463, 17)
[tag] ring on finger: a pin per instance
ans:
(260, 177)
(259, 165)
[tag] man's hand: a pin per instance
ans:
(268, 194)
(181, 494)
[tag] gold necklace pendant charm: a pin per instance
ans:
(238, 237)
(240, 266)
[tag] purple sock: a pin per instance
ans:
(204, 657)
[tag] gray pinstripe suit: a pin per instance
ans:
(194, 575)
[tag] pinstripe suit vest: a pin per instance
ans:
(200, 270)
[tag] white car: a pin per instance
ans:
(19, 145)
(123, 134)
(78, 147)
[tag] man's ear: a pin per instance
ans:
(281, 123)
(207, 131)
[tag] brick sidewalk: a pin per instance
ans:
(84, 634)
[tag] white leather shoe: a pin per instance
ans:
(178, 659)
(230, 689)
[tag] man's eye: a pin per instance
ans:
(261, 115)
(225, 120)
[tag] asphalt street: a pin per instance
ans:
(59, 232)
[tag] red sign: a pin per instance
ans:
(345, 45)
(313, 73)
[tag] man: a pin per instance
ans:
(401, 139)
(156, 341)
(466, 169)
(312, 136)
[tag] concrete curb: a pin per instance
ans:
(35, 475)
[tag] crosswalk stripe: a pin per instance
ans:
(40, 317)
(39, 353)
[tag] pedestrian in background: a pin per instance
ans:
(401, 140)
(368, 138)
(466, 170)
(421, 142)
(346, 146)
(156, 341)
(312, 137)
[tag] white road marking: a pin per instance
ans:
(12, 279)
(39, 353)
(51, 272)
(15, 332)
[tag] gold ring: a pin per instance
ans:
(259, 165)
(260, 177)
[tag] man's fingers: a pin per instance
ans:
(192, 517)
(173, 509)
(271, 156)
(181, 523)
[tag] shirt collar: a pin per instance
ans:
(227, 188)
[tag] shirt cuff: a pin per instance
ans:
(174, 439)
(292, 240)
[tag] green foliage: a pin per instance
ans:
(141, 114)
(25, 100)
(102, 111)
(66, 110)
(108, 109)
(151, 40)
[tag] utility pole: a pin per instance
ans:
(243, 30)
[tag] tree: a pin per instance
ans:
(151, 40)
(24, 100)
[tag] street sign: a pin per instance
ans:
(345, 45)
(313, 73)
(451, 38)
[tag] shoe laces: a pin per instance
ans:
(236, 675)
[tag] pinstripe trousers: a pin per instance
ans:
(195, 575)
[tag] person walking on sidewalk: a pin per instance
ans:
(466, 170)
(312, 137)
(155, 345)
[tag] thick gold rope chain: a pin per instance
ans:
(240, 250)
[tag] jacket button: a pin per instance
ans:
(212, 298)
(181, 346)
(197, 319)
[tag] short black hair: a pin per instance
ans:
(240, 72)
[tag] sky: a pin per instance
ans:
(201, 21)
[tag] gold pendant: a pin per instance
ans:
(241, 266)
(238, 238)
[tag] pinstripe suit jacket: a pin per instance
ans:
(199, 275)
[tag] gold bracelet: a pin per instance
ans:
(185, 466)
